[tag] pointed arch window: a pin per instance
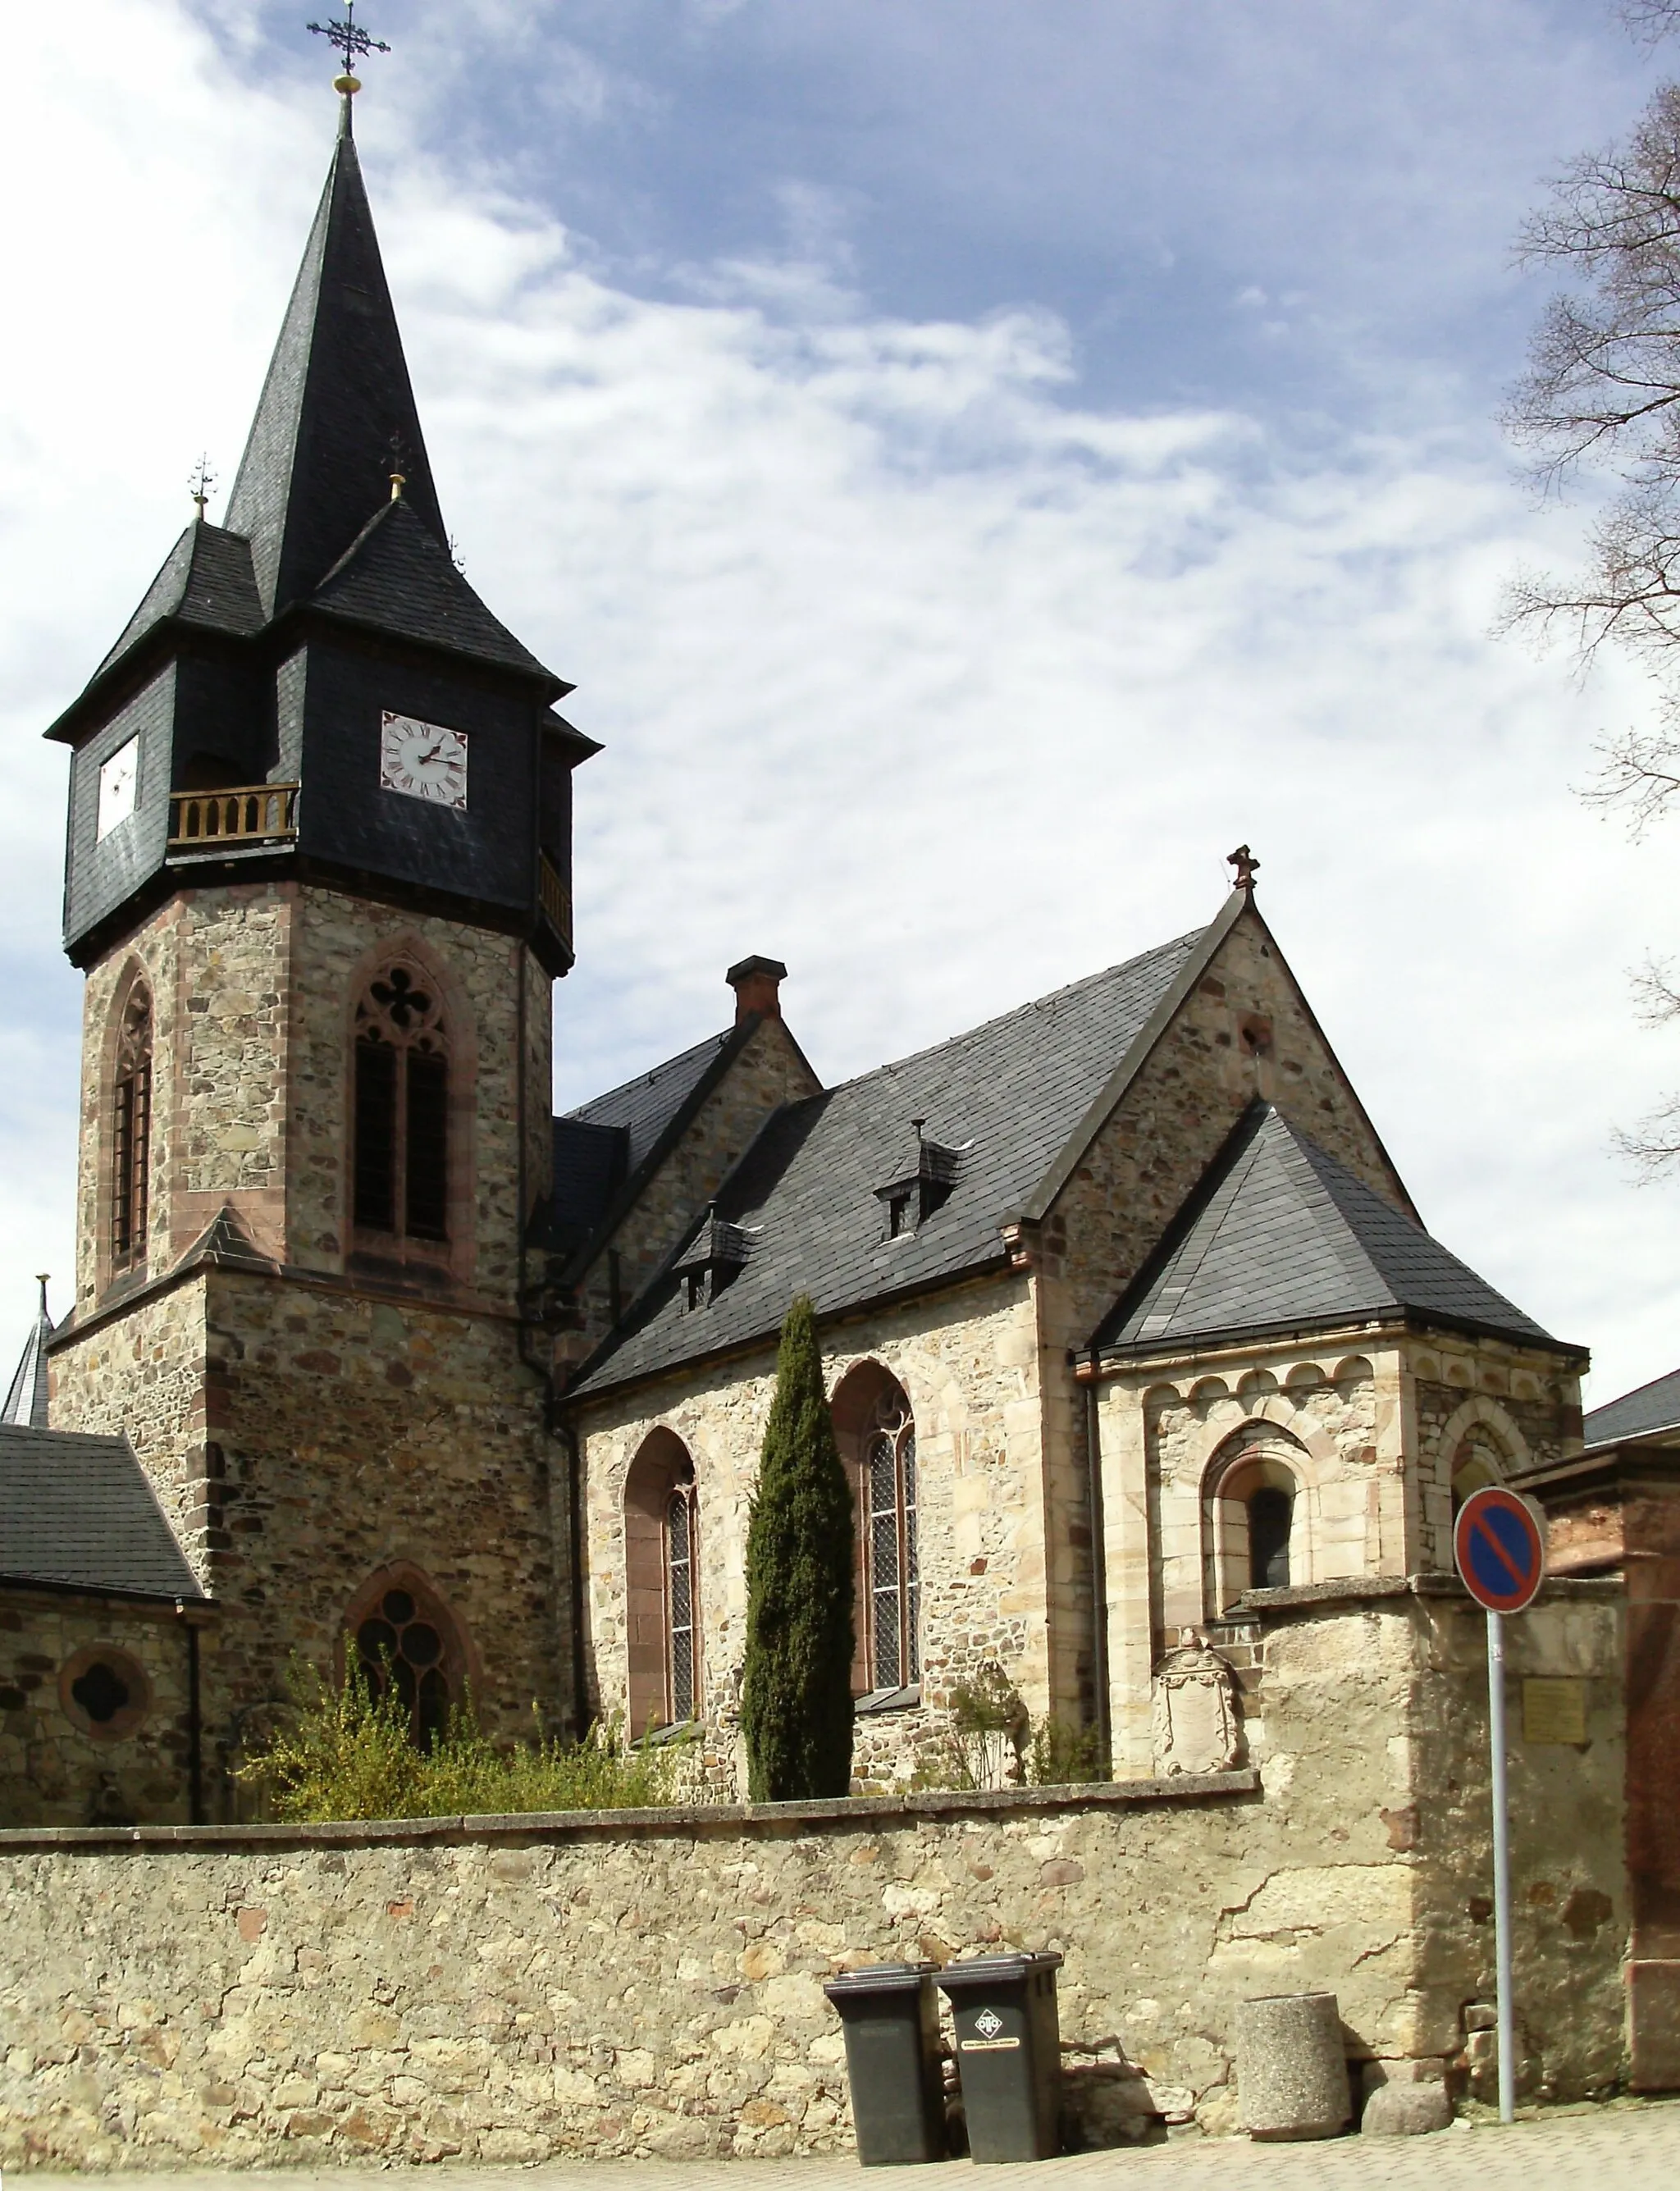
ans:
(890, 1561)
(400, 1157)
(662, 1578)
(405, 1641)
(681, 1661)
(131, 1132)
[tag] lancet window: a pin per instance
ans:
(400, 1158)
(131, 1132)
(892, 1571)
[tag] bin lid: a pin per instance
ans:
(995, 1970)
(877, 1977)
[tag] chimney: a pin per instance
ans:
(757, 983)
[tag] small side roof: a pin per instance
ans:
(1278, 1235)
(79, 1512)
(1646, 1412)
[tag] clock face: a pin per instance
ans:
(118, 778)
(423, 760)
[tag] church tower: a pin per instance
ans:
(318, 880)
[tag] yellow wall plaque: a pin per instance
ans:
(1554, 1708)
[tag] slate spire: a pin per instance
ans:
(337, 415)
(25, 1402)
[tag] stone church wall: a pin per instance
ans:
(968, 1361)
(649, 1985)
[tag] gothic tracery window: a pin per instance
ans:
(891, 1567)
(401, 1157)
(131, 1131)
(406, 1643)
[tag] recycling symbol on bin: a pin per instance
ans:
(989, 2023)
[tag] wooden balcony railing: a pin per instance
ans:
(553, 895)
(247, 814)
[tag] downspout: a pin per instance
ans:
(544, 1371)
(195, 1721)
(1099, 1564)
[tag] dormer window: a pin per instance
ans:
(911, 1201)
(714, 1260)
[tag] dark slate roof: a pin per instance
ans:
(77, 1511)
(644, 1107)
(1278, 1235)
(318, 462)
(397, 577)
(1642, 1413)
(207, 582)
(590, 1166)
(1008, 1096)
(26, 1395)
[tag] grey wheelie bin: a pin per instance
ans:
(891, 2024)
(1008, 2054)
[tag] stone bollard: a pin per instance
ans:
(1291, 2071)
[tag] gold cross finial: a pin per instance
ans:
(202, 480)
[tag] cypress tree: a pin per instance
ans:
(796, 1684)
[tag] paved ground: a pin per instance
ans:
(1625, 2147)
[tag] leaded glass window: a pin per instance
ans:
(679, 1623)
(891, 1558)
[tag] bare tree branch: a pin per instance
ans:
(1653, 1146)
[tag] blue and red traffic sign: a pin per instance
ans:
(1501, 1549)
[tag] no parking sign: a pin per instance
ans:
(1499, 1543)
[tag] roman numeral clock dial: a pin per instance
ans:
(423, 760)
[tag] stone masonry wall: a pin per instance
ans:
(57, 1767)
(253, 987)
(650, 1985)
(303, 1436)
(968, 1361)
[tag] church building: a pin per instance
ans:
(1127, 1315)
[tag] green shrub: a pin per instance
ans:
(796, 1683)
(1062, 1756)
(345, 1753)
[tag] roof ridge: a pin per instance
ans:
(1018, 1012)
(575, 1116)
(1307, 1157)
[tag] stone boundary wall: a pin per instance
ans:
(649, 1983)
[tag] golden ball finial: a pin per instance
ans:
(347, 86)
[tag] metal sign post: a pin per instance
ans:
(1500, 1545)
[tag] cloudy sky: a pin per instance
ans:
(979, 460)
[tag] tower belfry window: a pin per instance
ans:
(131, 1132)
(400, 1157)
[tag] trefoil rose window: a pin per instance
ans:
(404, 1645)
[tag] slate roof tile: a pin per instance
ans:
(645, 1107)
(1641, 1413)
(207, 582)
(1279, 1236)
(1008, 1094)
(79, 1512)
(396, 576)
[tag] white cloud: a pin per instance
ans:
(913, 669)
